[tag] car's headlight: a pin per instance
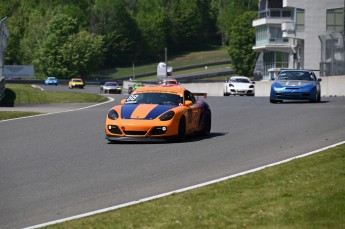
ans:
(167, 116)
(112, 114)
(230, 85)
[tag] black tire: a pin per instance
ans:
(181, 129)
(273, 100)
(317, 99)
(207, 123)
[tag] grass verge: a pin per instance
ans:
(303, 193)
(17, 94)
(25, 94)
(15, 114)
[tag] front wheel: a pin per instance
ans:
(181, 129)
(273, 100)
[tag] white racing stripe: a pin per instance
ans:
(77, 109)
(181, 190)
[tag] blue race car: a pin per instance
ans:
(296, 84)
(51, 81)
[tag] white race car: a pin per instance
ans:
(239, 85)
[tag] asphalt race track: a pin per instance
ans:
(60, 165)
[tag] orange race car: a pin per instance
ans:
(158, 113)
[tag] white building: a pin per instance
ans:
(288, 33)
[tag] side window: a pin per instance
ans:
(189, 96)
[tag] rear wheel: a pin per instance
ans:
(207, 123)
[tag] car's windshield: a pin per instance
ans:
(295, 75)
(154, 98)
(51, 78)
(77, 80)
(239, 80)
(111, 84)
(169, 82)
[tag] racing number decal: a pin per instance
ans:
(194, 113)
(132, 99)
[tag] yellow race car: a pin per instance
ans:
(158, 113)
(76, 82)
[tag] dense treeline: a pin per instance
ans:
(75, 37)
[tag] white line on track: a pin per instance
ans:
(181, 190)
(36, 86)
(77, 109)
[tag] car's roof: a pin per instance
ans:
(161, 89)
(112, 82)
(239, 77)
(296, 70)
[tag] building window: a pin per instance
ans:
(335, 20)
(299, 20)
(261, 35)
(276, 34)
(274, 60)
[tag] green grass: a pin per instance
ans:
(17, 94)
(304, 193)
(15, 114)
(193, 58)
(25, 94)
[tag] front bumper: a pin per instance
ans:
(112, 138)
(293, 95)
(240, 92)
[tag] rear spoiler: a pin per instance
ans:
(200, 94)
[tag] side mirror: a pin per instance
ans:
(188, 103)
(123, 101)
(319, 79)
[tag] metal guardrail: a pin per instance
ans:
(2, 88)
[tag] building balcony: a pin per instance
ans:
(273, 16)
(274, 44)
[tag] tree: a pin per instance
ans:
(82, 53)
(58, 30)
(123, 40)
(34, 35)
(153, 22)
(186, 19)
(228, 10)
(242, 56)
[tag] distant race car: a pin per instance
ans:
(169, 82)
(76, 82)
(134, 86)
(296, 84)
(111, 88)
(239, 85)
(51, 81)
(158, 113)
